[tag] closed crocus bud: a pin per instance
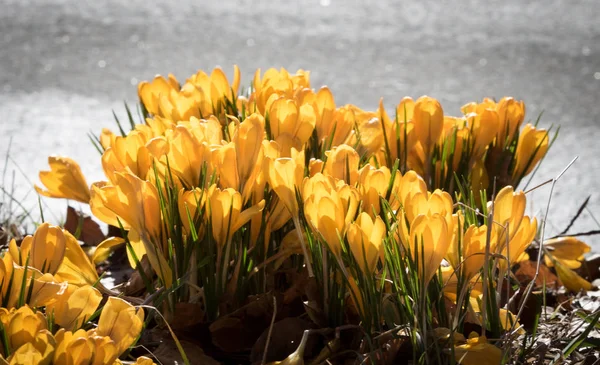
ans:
(373, 184)
(429, 121)
(531, 148)
(429, 243)
(120, 321)
(285, 177)
(365, 238)
(287, 118)
(342, 163)
(400, 133)
(47, 248)
(325, 107)
(405, 110)
(227, 215)
(75, 305)
(511, 114)
(64, 180)
(23, 327)
(484, 127)
(410, 184)
(107, 138)
(509, 209)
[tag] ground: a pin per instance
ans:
(65, 64)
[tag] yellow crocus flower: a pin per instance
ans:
(187, 155)
(429, 240)
(428, 118)
(47, 248)
(38, 352)
(372, 184)
(120, 321)
(329, 208)
(285, 176)
(64, 180)
(150, 92)
(531, 148)
(129, 154)
(74, 305)
(226, 213)
(511, 114)
(509, 210)
(76, 267)
(342, 163)
(240, 161)
(287, 119)
(134, 203)
(365, 238)
(23, 326)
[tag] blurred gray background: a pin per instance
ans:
(64, 65)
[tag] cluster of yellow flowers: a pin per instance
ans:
(30, 340)
(50, 273)
(246, 179)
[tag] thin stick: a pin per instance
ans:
(541, 248)
(264, 358)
